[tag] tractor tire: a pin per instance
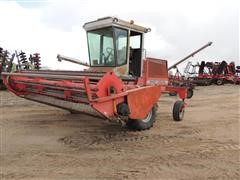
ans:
(143, 124)
(219, 82)
(189, 93)
(178, 110)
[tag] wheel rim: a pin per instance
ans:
(181, 113)
(219, 82)
(148, 118)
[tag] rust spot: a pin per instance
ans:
(122, 70)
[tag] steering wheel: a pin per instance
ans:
(109, 50)
(109, 53)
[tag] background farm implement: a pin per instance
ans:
(218, 73)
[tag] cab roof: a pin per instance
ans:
(113, 21)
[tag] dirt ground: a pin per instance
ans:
(42, 142)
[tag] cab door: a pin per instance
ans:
(135, 56)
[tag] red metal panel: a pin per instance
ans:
(157, 68)
(87, 88)
(107, 108)
(141, 100)
(109, 80)
(182, 91)
(155, 72)
(11, 86)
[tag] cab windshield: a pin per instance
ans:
(107, 47)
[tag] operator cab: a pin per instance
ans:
(116, 44)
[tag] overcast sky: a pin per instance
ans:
(178, 27)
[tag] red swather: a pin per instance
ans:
(128, 92)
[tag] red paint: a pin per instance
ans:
(141, 100)
(103, 92)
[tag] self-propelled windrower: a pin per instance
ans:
(119, 84)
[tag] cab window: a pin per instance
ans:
(101, 48)
(121, 36)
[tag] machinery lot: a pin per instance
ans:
(39, 141)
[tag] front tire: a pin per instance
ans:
(178, 110)
(143, 124)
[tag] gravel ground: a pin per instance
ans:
(42, 142)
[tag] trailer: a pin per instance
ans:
(119, 82)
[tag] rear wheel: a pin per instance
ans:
(178, 110)
(143, 124)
